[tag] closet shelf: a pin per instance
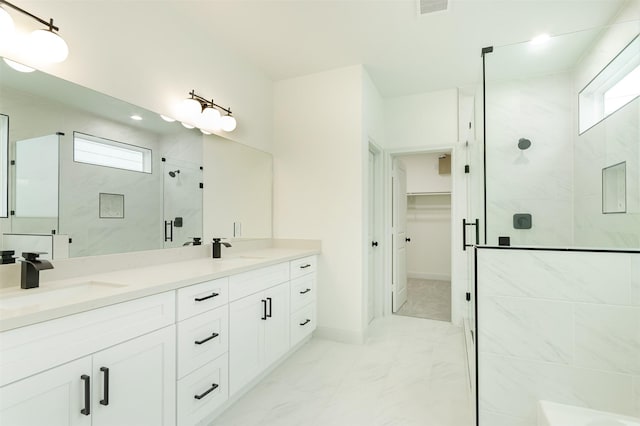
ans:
(409, 194)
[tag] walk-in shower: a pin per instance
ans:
(558, 311)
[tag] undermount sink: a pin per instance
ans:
(27, 299)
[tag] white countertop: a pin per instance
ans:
(19, 308)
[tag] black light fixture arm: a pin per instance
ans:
(207, 103)
(42, 21)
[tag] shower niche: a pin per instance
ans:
(614, 188)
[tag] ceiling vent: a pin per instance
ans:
(430, 6)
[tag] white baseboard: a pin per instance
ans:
(428, 276)
(340, 335)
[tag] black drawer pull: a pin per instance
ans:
(307, 321)
(207, 392)
(200, 299)
(270, 307)
(264, 310)
(213, 336)
(305, 266)
(87, 395)
(105, 401)
(306, 291)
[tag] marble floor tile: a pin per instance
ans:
(410, 372)
(429, 299)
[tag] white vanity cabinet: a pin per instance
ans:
(129, 383)
(203, 342)
(258, 322)
(303, 298)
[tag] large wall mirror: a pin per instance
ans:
(79, 167)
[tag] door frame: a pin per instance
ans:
(458, 210)
(374, 283)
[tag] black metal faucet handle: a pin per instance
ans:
(32, 255)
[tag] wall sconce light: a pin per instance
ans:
(205, 114)
(43, 44)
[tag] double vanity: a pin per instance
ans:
(172, 343)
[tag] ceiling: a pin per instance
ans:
(403, 52)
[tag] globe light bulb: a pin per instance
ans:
(18, 66)
(191, 110)
(7, 28)
(187, 125)
(210, 119)
(48, 46)
(228, 123)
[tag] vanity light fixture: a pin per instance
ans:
(205, 114)
(45, 44)
(7, 27)
(136, 117)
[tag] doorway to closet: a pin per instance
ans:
(422, 235)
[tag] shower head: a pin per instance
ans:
(524, 143)
(174, 173)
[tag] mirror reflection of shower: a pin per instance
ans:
(174, 173)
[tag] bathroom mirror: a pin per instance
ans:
(532, 91)
(4, 165)
(614, 188)
(161, 206)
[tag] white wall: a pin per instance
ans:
(423, 173)
(422, 120)
(131, 50)
(557, 326)
(318, 186)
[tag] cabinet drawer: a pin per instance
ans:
(246, 283)
(202, 339)
(192, 410)
(300, 267)
(202, 297)
(303, 291)
(303, 322)
(29, 350)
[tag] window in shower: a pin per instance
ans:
(104, 152)
(613, 88)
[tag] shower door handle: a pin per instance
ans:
(168, 236)
(464, 233)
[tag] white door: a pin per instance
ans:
(246, 339)
(373, 243)
(399, 228)
(52, 398)
(134, 382)
(276, 333)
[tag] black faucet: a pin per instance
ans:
(196, 242)
(6, 257)
(217, 247)
(31, 267)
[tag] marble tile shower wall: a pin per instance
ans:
(559, 326)
(538, 180)
(610, 142)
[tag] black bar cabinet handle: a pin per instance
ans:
(207, 392)
(200, 299)
(307, 321)
(464, 234)
(270, 307)
(87, 395)
(105, 401)
(305, 266)
(213, 336)
(305, 291)
(264, 309)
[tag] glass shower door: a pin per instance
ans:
(182, 202)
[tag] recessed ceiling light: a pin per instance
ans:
(136, 117)
(541, 39)
(167, 119)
